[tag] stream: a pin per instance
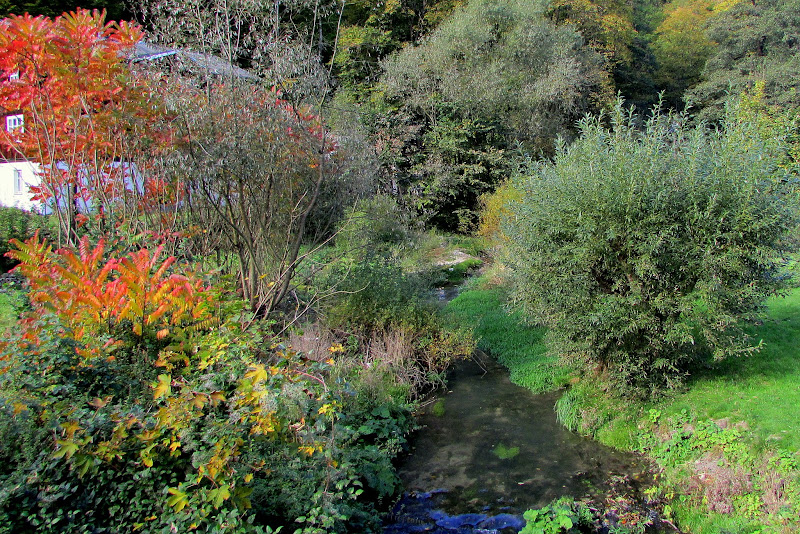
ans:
(488, 450)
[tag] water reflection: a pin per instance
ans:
(497, 448)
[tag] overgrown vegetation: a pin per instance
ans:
(240, 320)
(131, 382)
(725, 446)
(644, 250)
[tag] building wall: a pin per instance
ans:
(16, 177)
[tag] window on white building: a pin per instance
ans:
(14, 121)
(19, 183)
(13, 76)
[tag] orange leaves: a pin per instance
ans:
(83, 110)
(68, 67)
(93, 296)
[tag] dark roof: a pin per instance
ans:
(215, 65)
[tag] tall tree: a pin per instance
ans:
(757, 41)
(372, 30)
(494, 76)
(682, 46)
(607, 25)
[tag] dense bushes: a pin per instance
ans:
(131, 399)
(644, 248)
(383, 312)
(17, 224)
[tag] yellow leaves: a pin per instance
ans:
(199, 400)
(148, 435)
(99, 403)
(66, 448)
(264, 424)
(70, 428)
(178, 500)
(326, 409)
(169, 358)
(248, 478)
(307, 450)
(162, 387)
(256, 374)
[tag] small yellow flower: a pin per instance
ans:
(336, 347)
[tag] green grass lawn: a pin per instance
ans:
(761, 389)
(8, 317)
(507, 338)
(737, 423)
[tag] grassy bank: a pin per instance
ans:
(8, 316)
(727, 444)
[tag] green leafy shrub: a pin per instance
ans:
(716, 467)
(643, 249)
(393, 323)
(376, 293)
(123, 410)
(561, 516)
(378, 224)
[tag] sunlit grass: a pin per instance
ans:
(507, 338)
(761, 389)
(8, 316)
(759, 392)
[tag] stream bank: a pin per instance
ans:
(489, 450)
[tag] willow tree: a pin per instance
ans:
(643, 250)
(494, 76)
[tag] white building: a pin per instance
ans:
(16, 179)
(17, 175)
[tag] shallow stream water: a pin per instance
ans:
(488, 450)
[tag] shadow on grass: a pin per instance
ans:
(780, 355)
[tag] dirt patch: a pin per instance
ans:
(454, 257)
(720, 482)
